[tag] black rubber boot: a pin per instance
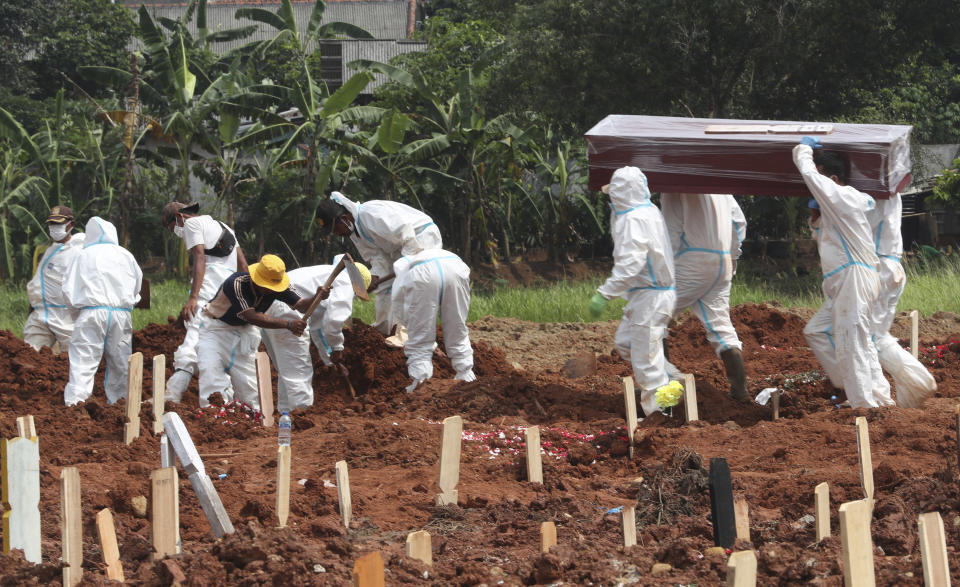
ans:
(736, 374)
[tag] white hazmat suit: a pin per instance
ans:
(427, 281)
(643, 275)
(912, 380)
(291, 354)
(103, 285)
(839, 333)
(385, 231)
(51, 320)
(199, 230)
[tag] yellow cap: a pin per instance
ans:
(365, 273)
(270, 273)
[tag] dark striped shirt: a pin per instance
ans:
(237, 294)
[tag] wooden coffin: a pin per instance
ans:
(749, 157)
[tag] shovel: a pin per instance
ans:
(345, 373)
(356, 280)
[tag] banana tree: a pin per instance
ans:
(285, 23)
(18, 190)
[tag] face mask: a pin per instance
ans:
(814, 224)
(58, 232)
(178, 230)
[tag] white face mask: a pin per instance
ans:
(178, 230)
(58, 232)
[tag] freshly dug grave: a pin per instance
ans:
(391, 442)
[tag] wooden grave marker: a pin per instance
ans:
(933, 550)
(534, 464)
(168, 458)
(721, 503)
(548, 536)
(866, 461)
(690, 398)
(107, 533)
(159, 375)
(20, 495)
(450, 460)
(343, 493)
(915, 333)
(419, 547)
(630, 403)
(857, 544)
(368, 571)
(821, 503)
(164, 512)
(131, 430)
(775, 403)
(741, 512)
(742, 569)
(26, 427)
(628, 516)
(283, 485)
(265, 384)
(71, 526)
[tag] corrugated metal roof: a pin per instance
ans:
(375, 51)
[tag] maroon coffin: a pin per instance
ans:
(749, 157)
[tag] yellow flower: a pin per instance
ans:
(669, 395)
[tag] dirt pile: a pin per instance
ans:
(391, 439)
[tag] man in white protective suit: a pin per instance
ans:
(216, 256)
(427, 281)
(914, 384)
(50, 320)
(229, 333)
(291, 353)
(382, 231)
(102, 285)
(839, 334)
(643, 275)
(706, 231)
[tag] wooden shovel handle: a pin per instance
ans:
(333, 275)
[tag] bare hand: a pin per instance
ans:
(296, 326)
(374, 282)
(189, 310)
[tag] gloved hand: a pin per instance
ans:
(811, 142)
(597, 304)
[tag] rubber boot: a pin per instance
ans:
(177, 385)
(736, 374)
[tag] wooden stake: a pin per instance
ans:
(419, 547)
(182, 444)
(821, 502)
(131, 430)
(548, 536)
(741, 513)
(368, 571)
(915, 333)
(71, 526)
(630, 401)
(164, 512)
(283, 485)
(721, 503)
(933, 550)
(690, 398)
(343, 493)
(742, 569)
(20, 495)
(168, 458)
(159, 391)
(220, 523)
(25, 427)
(866, 461)
(108, 545)
(450, 460)
(857, 545)
(534, 464)
(775, 399)
(266, 388)
(629, 519)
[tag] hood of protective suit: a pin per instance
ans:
(100, 231)
(346, 202)
(628, 189)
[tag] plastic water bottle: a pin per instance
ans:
(284, 430)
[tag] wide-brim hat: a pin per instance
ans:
(270, 273)
(174, 208)
(60, 215)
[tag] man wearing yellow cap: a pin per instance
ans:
(229, 336)
(291, 353)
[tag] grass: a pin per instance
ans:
(931, 287)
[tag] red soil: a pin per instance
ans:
(391, 441)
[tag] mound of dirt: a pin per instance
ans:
(391, 442)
